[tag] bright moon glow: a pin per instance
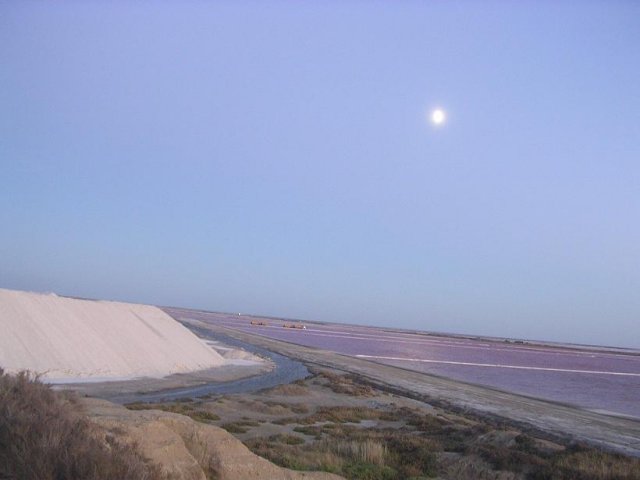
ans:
(438, 117)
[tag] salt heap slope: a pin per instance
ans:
(64, 339)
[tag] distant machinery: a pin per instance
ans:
(298, 326)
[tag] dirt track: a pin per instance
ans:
(615, 433)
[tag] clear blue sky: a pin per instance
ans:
(275, 158)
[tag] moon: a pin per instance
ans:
(438, 116)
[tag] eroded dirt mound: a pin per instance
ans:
(188, 450)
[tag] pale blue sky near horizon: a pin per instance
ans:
(275, 158)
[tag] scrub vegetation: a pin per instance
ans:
(45, 436)
(183, 407)
(336, 423)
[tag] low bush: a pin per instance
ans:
(181, 407)
(241, 426)
(368, 471)
(346, 384)
(341, 415)
(294, 407)
(287, 439)
(44, 436)
(584, 463)
(204, 416)
(355, 453)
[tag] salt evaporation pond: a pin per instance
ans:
(603, 379)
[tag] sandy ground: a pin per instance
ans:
(225, 373)
(611, 432)
(186, 449)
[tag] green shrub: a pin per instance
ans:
(369, 471)
(204, 416)
(240, 426)
(287, 439)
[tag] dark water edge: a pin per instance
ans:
(285, 371)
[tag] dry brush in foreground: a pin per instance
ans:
(45, 436)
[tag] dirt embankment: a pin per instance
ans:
(188, 450)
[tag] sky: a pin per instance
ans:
(277, 158)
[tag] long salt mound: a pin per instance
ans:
(65, 338)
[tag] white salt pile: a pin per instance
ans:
(65, 339)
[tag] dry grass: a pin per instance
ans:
(287, 439)
(241, 426)
(293, 407)
(290, 389)
(393, 454)
(419, 442)
(576, 462)
(346, 384)
(356, 453)
(581, 463)
(366, 451)
(430, 443)
(44, 436)
(194, 411)
(338, 415)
